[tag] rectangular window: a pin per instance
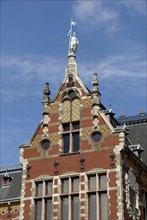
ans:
(103, 206)
(43, 200)
(39, 189)
(92, 183)
(92, 207)
(66, 138)
(103, 181)
(75, 184)
(71, 137)
(70, 198)
(38, 209)
(75, 207)
(65, 208)
(48, 210)
(49, 188)
(97, 197)
(65, 185)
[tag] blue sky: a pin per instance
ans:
(34, 44)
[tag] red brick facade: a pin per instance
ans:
(110, 181)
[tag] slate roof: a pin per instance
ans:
(11, 191)
(137, 130)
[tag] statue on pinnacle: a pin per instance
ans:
(73, 41)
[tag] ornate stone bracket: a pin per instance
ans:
(28, 170)
(9, 211)
(112, 156)
(56, 163)
(82, 160)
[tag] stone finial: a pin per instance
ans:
(95, 84)
(95, 91)
(46, 98)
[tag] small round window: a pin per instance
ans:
(45, 144)
(96, 136)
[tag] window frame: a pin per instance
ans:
(70, 134)
(43, 197)
(98, 191)
(70, 194)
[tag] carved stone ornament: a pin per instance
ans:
(133, 211)
(56, 164)
(28, 170)
(82, 160)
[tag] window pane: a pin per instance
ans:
(92, 207)
(76, 125)
(66, 143)
(65, 186)
(66, 127)
(103, 206)
(65, 208)
(75, 184)
(92, 183)
(75, 204)
(103, 181)
(39, 189)
(49, 189)
(48, 209)
(38, 210)
(76, 142)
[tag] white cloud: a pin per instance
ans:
(125, 68)
(97, 13)
(135, 6)
(21, 76)
(31, 67)
(106, 14)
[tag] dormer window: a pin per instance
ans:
(7, 179)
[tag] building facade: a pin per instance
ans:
(80, 163)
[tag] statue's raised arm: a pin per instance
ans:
(73, 41)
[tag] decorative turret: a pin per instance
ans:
(46, 103)
(46, 98)
(95, 90)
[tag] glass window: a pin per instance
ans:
(71, 137)
(76, 142)
(103, 181)
(76, 125)
(97, 197)
(65, 208)
(96, 136)
(48, 213)
(38, 209)
(103, 206)
(75, 207)
(66, 143)
(75, 184)
(66, 127)
(45, 144)
(65, 185)
(49, 188)
(39, 189)
(92, 207)
(92, 183)
(43, 204)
